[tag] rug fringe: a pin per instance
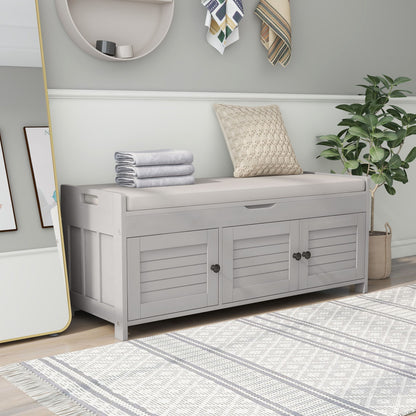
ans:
(41, 391)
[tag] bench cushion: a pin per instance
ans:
(228, 190)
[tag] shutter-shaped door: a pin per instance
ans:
(333, 250)
(170, 273)
(258, 260)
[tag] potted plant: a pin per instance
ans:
(371, 144)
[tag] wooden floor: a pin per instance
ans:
(87, 331)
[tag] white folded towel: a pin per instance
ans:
(153, 171)
(134, 182)
(155, 157)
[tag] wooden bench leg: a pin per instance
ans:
(121, 331)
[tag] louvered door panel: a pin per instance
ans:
(258, 260)
(336, 245)
(171, 273)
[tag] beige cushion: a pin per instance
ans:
(257, 140)
(232, 190)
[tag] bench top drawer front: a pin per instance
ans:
(242, 213)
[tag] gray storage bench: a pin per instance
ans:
(140, 255)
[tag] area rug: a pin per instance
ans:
(346, 357)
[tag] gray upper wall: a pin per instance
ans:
(335, 44)
(22, 104)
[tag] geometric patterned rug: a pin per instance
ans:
(353, 356)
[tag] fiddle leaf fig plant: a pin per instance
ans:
(373, 135)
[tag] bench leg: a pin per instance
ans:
(121, 331)
(361, 288)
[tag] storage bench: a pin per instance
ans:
(140, 255)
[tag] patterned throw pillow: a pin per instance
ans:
(257, 140)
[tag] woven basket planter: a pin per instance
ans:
(379, 255)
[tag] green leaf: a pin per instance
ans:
(351, 164)
(395, 143)
(390, 136)
(377, 178)
(389, 79)
(388, 178)
(392, 126)
(395, 162)
(361, 119)
(373, 79)
(330, 153)
(373, 120)
(377, 154)
(385, 120)
(357, 108)
(358, 171)
(399, 109)
(346, 122)
(325, 143)
(397, 94)
(411, 130)
(400, 175)
(385, 82)
(401, 134)
(345, 107)
(411, 117)
(401, 80)
(383, 100)
(411, 156)
(378, 135)
(332, 138)
(358, 131)
(390, 190)
(394, 112)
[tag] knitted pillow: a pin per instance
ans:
(257, 140)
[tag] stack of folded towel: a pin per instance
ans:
(154, 168)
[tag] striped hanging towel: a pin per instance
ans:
(222, 21)
(276, 35)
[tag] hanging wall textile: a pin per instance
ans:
(276, 34)
(222, 21)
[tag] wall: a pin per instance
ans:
(335, 43)
(22, 103)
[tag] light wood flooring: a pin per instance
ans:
(87, 331)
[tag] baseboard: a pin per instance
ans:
(403, 248)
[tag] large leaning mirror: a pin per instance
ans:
(33, 287)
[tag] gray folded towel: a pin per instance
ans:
(155, 157)
(153, 171)
(133, 182)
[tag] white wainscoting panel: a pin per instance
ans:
(32, 292)
(89, 126)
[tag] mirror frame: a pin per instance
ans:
(60, 240)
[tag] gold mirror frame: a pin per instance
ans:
(59, 236)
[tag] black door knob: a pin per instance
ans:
(216, 268)
(307, 255)
(297, 256)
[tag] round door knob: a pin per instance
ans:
(297, 256)
(216, 268)
(307, 255)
